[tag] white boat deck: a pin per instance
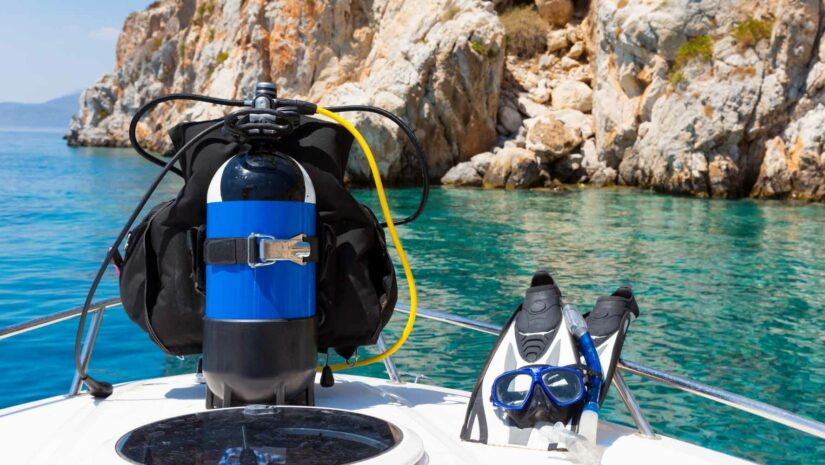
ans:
(64, 430)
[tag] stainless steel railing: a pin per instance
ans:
(96, 309)
(737, 401)
(31, 325)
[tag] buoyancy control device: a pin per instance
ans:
(264, 258)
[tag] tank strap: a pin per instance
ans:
(260, 250)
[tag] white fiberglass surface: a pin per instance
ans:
(84, 430)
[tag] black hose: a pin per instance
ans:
(152, 104)
(422, 158)
(419, 151)
(99, 389)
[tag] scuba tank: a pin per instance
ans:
(259, 340)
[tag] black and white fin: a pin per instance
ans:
(607, 324)
(534, 334)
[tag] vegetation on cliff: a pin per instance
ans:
(750, 31)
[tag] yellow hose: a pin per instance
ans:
(385, 209)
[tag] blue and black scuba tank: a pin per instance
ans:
(261, 251)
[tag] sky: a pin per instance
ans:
(51, 48)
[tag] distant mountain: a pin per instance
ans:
(55, 113)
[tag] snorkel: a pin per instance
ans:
(588, 423)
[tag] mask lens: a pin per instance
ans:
(512, 389)
(565, 386)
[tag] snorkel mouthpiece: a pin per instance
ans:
(575, 321)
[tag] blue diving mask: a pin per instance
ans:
(561, 393)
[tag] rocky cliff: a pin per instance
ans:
(717, 98)
(437, 63)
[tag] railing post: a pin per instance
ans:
(632, 406)
(88, 347)
(392, 371)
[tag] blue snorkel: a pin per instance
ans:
(590, 415)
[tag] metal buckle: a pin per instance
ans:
(270, 250)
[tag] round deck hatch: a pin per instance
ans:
(262, 435)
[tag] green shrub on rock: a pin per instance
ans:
(677, 78)
(205, 9)
(482, 50)
(697, 48)
(749, 32)
(222, 56)
(154, 45)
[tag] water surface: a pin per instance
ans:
(731, 293)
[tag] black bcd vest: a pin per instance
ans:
(161, 277)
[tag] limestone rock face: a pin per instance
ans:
(512, 168)
(524, 170)
(714, 98)
(510, 118)
(482, 161)
(794, 164)
(689, 101)
(573, 95)
(557, 40)
(775, 178)
(407, 56)
(552, 139)
(462, 174)
(555, 12)
(499, 170)
(569, 169)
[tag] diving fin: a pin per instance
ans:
(534, 335)
(540, 317)
(607, 324)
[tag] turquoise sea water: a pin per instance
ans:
(731, 293)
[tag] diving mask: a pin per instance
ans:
(561, 392)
